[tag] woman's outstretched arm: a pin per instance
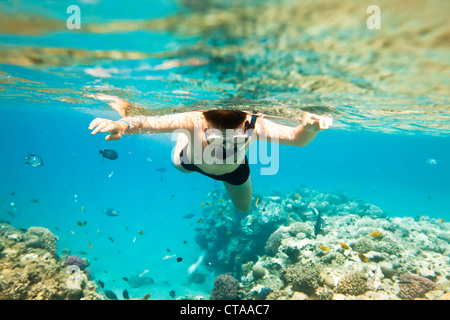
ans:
(299, 136)
(144, 124)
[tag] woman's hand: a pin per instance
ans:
(115, 128)
(313, 123)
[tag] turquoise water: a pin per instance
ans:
(46, 111)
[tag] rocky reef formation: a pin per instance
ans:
(277, 251)
(30, 268)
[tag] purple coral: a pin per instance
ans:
(75, 261)
(413, 286)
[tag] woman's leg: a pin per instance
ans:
(240, 195)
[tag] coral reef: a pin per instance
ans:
(30, 268)
(362, 252)
(225, 288)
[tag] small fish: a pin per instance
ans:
(10, 213)
(363, 257)
(256, 204)
(432, 161)
(140, 232)
(168, 256)
(228, 233)
(441, 220)
(188, 216)
(298, 196)
(89, 245)
(109, 154)
(200, 220)
(324, 248)
(125, 294)
(147, 296)
(83, 209)
(125, 279)
(171, 197)
(111, 239)
(34, 201)
(83, 253)
(344, 246)
(172, 294)
(101, 283)
(110, 175)
(168, 250)
(179, 259)
(161, 169)
(111, 212)
(205, 204)
(81, 224)
(34, 160)
(375, 234)
(110, 295)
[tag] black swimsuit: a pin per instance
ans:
(237, 177)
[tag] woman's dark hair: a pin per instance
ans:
(225, 119)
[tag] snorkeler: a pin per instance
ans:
(215, 142)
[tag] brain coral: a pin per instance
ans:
(413, 286)
(363, 245)
(225, 288)
(303, 276)
(297, 227)
(352, 284)
(388, 245)
(42, 238)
